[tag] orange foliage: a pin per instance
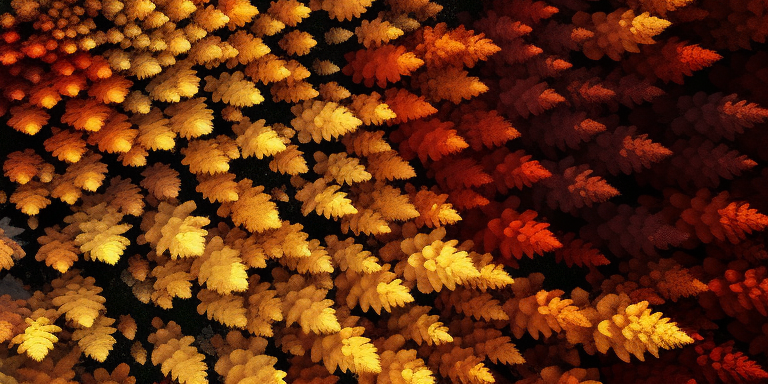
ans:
(517, 234)
(406, 105)
(579, 252)
(428, 139)
(380, 65)
(672, 61)
(513, 170)
(439, 47)
(710, 218)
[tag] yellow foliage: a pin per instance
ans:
(37, 339)
(492, 276)
(233, 89)
(249, 48)
(264, 308)
(171, 86)
(86, 115)
(220, 187)
(293, 91)
(154, 131)
(240, 12)
(266, 25)
(101, 235)
(364, 143)
(391, 204)
(340, 168)
(232, 114)
(645, 27)
(190, 118)
(88, 173)
(253, 209)
(490, 343)
(267, 69)
(366, 221)
(176, 40)
(161, 45)
(288, 240)
(290, 161)
(257, 139)
(210, 156)
(374, 290)
(78, 299)
(138, 267)
(388, 165)
(289, 12)
(96, 341)
(419, 326)
(233, 340)
(181, 360)
(6, 261)
(633, 329)
(173, 229)
(117, 135)
(376, 32)
(462, 366)
(400, 367)
(370, 109)
(538, 311)
(318, 261)
(325, 200)
(310, 310)
(172, 279)
(137, 102)
(320, 120)
(435, 264)
(244, 366)
(475, 304)
(297, 43)
(226, 309)
(294, 88)
(210, 18)
(433, 209)
(348, 351)
(350, 256)
(142, 65)
(221, 268)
